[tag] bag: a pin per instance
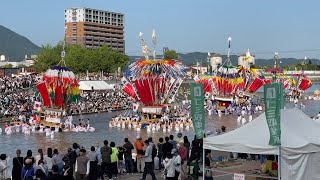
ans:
(156, 163)
(154, 152)
(72, 157)
(188, 177)
(165, 172)
(140, 151)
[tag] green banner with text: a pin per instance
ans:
(273, 100)
(197, 108)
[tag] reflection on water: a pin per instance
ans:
(64, 140)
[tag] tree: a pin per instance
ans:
(7, 66)
(80, 59)
(21, 66)
(48, 56)
(170, 54)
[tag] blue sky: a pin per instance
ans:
(185, 25)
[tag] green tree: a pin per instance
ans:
(170, 54)
(47, 57)
(21, 65)
(80, 59)
(7, 66)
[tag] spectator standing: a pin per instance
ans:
(148, 167)
(114, 159)
(128, 155)
(106, 160)
(166, 148)
(82, 167)
(93, 158)
(140, 158)
(17, 166)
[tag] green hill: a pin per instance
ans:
(201, 57)
(15, 46)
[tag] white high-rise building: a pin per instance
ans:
(92, 28)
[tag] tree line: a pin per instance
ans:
(80, 59)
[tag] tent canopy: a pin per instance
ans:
(300, 143)
(94, 85)
(299, 134)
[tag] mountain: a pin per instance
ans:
(201, 57)
(15, 46)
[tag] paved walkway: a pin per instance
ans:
(137, 176)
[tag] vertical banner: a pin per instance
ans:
(272, 102)
(42, 88)
(197, 108)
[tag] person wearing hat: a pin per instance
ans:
(177, 163)
(179, 136)
(139, 149)
(184, 154)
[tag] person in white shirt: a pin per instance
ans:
(169, 168)
(176, 162)
(4, 167)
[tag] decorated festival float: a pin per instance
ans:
(152, 83)
(295, 84)
(58, 88)
(228, 84)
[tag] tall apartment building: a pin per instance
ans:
(92, 28)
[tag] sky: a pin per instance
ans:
(290, 27)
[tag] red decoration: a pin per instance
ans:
(44, 93)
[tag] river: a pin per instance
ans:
(64, 140)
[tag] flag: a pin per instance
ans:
(197, 108)
(36, 105)
(135, 107)
(229, 42)
(272, 101)
(154, 38)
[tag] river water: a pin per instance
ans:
(64, 140)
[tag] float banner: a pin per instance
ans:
(197, 108)
(272, 102)
(42, 88)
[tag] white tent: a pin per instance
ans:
(300, 143)
(95, 85)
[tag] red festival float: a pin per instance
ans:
(229, 83)
(153, 82)
(58, 87)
